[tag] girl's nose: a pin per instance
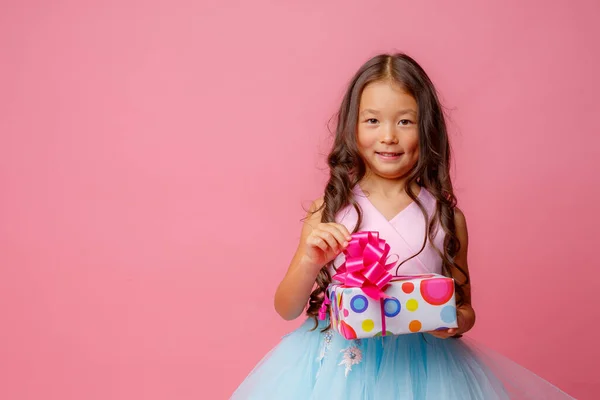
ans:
(389, 135)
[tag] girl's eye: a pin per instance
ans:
(405, 122)
(372, 121)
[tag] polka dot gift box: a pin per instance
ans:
(369, 301)
(416, 303)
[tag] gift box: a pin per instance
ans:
(369, 301)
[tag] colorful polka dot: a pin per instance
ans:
(359, 303)
(412, 305)
(408, 287)
(334, 307)
(448, 314)
(437, 291)
(346, 312)
(368, 325)
(346, 331)
(391, 307)
(414, 326)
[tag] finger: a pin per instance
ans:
(328, 238)
(344, 231)
(341, 233)
(337, 234)
(437, 335)
(316, 241)
(443, 334)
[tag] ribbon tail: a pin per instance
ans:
(383, 326)
(323, 308)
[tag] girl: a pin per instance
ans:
(389, 172)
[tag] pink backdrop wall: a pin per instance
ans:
(149, 149)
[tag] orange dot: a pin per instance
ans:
(408, 287)
(414, 326)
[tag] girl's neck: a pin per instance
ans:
(386, 187)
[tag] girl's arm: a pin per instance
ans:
(319, 244)
(465, 313)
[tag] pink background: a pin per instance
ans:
(155, 157)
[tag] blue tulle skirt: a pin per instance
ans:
(312, 365)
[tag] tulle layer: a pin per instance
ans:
(311, 365)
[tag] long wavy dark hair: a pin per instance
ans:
(432, 170)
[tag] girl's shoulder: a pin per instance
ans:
(313, 215)
(316, 209)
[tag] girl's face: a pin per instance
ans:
(387, 133)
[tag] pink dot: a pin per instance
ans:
(346, 313)
(437, 291)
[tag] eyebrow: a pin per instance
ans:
(401, 112)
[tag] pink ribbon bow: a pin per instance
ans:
(365, 267)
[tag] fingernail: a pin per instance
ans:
(345, 244)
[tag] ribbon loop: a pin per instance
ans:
(365, 266)
(323, 308)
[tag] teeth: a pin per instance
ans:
(389, 154)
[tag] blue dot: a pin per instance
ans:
(448, 314)
(359, 303)
(347, 292)
(391, 307)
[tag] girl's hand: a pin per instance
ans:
(326, 242)
(464, 323)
